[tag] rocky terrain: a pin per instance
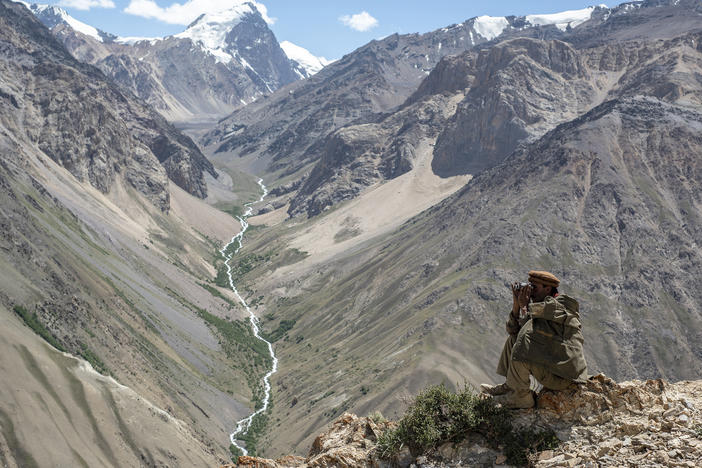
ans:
(59, 104)
(219, 63)
(521, 91)
(636, 423)
(607, 200)
(109, 254)
(510, 93)
(284, 134)
(583, 136)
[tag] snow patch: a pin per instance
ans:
(490, 26)
(131, 40)
(59, 15)
(210, 29)
(563, 19)
(309, 62)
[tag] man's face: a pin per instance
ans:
(539, 292)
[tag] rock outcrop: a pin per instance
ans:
(599, 423)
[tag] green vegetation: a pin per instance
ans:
(241, 346)
(215, 292)
(256, 428)
(236, 211)
(247, 263)
(86, 353)
(698, 430)
(236, 453)
(439, 415)
(33, 322)
(93, 359)
(278, 333)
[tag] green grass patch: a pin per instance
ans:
(216, 293)
(33, 322)
(438, 416)
(278, 333)
(241, 346)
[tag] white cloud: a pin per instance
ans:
(186, 13)
(86, 4)
(362, 21)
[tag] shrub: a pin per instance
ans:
(438, 415)
(33, 322)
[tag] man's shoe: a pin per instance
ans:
(516, 399)
(495, 390)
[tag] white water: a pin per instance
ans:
(243, 426)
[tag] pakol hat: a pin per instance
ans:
(544, 277)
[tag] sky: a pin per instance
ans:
(326, 28)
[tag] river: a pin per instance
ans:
(243, 425)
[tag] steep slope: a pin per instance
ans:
(510, 92)
(106, 259)
(60, 103)
(223, 60)
(282, 133)
(608, 201)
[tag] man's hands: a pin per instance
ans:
(520, 298)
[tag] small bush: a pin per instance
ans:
(33, 322)
(439, 415)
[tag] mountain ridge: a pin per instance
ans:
(220, 62)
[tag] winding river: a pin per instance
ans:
(243, 425)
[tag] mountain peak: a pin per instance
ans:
(52, 16)
(211, 29)
(310, 63)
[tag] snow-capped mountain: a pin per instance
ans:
(490, 27)
(222, 60)
(310, 63)
(52, 16)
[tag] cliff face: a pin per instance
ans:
(601, 422)
(84, 122)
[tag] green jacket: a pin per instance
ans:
(552, 337)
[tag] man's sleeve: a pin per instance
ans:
(512, 325)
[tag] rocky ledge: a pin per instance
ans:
(600, 423)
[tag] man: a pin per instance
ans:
(545, 340)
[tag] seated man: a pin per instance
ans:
(544, 341)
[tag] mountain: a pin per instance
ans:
(282, 133)
(53, 16)
(72, 100)
(221, 61)
(290, 134)
(594, 176)
(116, 345)
(304, 58)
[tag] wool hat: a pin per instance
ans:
(544, 277)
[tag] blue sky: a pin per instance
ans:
(324, 27)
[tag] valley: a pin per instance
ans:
(193, 272)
